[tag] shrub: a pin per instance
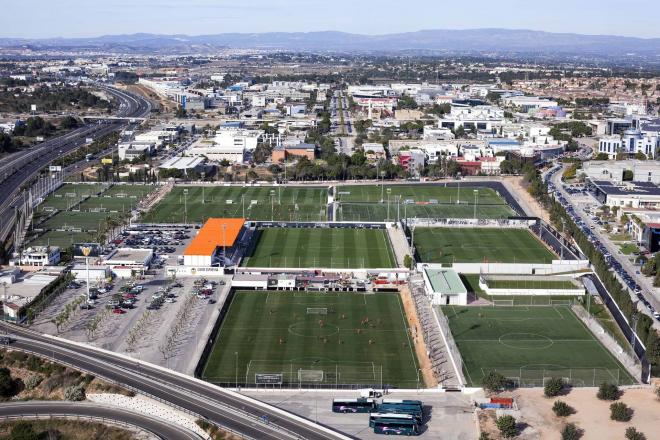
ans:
(493, 381)
(634, 434)
(608, 391)
(620, 412)
(570, 432)
(484, 436)
(33, 381)
(6, 383)
(75, 394)
(507, 426)
(553, 387)
(24, 431)
(562, 409)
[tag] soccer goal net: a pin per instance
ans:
(502, 302)
(317, 310)
(310, 375)
(561, 302)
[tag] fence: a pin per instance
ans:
(577, 377)
(470, 223)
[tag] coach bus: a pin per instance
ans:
(401, 408)
(396, 427)
(375, 417)
(353, 405)
(405, 402)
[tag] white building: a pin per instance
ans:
(41, 256)
(630, 143)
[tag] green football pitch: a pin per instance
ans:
(370, 202)
(321, 248)
(329, 338)
(251, 202)
(477, 245)
(528, 344)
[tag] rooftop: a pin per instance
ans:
(630, 189)
(216, 232)
(445, 281)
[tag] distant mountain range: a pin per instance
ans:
(447, 41)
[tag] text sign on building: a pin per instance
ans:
(268, 379)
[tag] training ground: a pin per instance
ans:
(529, 344)
(362, 340)
(328, 248)
(480, 245)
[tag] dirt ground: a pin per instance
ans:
(418, 340)
(592, 416)
(515, 183)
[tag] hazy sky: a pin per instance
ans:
(81, 18)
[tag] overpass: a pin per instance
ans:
(233, 411)
(22, 167)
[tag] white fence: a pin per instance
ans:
(470, 223)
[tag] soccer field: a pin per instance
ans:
(251, 202)
(477, 245)
(321, 248)
(363, 339)
(418, 193)
(379, 212)
(528, 344)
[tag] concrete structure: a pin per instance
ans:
(631, 194)
(184, 163)
(530, 285)
(125, 262)
(643, 170)
(216, 239)
(18, 289)
(444, 286)
(41, 256)
(630, 143)
(283, 152)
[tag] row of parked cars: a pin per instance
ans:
(614, 264)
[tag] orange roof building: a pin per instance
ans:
(216, 233)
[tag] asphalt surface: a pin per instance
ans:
(213, 403)
(20, 169)
(54, 409)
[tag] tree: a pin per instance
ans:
(608, 391)
(493, 381)
(620, 412)
(181, 112)
(484, 436)
(408, 261)
(23, 430)
(75, 393)
(507, 426)
(553, 387)
(602, 156)
(640, 156)
(634, 434)
(562, 409)
(6, 383)
(570, 432)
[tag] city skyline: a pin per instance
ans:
(33, 19)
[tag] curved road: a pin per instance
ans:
(220, 406)
(16, 171)
(159, 427)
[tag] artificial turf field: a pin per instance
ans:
(528, 344)
(321, 248)
(531, 284)
(251, 202)
(271, 332)
(478, 245)
(370, 202)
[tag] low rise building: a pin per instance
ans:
(444, 286)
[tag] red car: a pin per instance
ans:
(118, 311)
(130, 296)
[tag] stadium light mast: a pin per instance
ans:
(476, 199)
(185, 205)
(203, 193)
(458, 195)
(389, 191)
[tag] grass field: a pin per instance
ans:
(378, 212)
(322, 248)
(530, 284)
(272, 332)
(254, 203)
(531, 343)
(476, 245)
(61, 238)
(68, 195)
(418, 193)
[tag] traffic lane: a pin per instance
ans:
(159, 389)
(160, 427)
(178, 386)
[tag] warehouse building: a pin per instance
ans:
(215, 244)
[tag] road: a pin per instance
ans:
(158, 427)
(218, 405)
(632, 271)
(18, 170)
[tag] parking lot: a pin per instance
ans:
(151, 317)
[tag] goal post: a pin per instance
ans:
(502, 302)
(317, 310)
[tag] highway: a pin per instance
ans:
(221, 406)
(20, 169)
(55, 409)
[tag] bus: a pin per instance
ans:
(360, 405)
(405, 402)
(375, 417)
(401, 408)
(396, 427)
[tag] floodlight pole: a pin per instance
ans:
(243, 202)
(224, 245)
(476, 196)
(236, 379)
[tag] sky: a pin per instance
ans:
(88, 18)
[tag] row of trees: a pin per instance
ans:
(55, 98)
